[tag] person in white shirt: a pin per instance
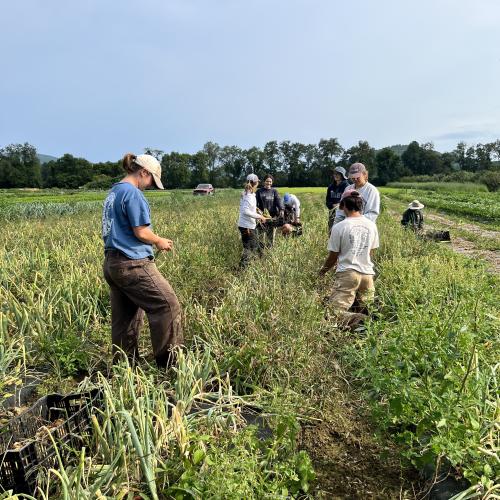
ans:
(371, 197)
(351, 245)
(247, 221)
(292, 208)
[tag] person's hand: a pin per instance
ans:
(163, 244)
(262, 218)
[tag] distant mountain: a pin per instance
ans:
(45, 158)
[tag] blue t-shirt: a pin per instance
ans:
(125, 208)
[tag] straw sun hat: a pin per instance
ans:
(415, 205)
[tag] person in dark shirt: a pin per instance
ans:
(413, 217)
(268, 199)
(334, 193)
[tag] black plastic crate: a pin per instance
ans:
(68, 419)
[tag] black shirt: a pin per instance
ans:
(270, 199)
(414, 219)
(334, 193)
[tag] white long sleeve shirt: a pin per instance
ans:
(248, 211)
(371, 203)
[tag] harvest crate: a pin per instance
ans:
(26, 449)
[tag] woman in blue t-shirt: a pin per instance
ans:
(137, 287)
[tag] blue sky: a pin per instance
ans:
(97, 78)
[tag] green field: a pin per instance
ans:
(480, 207)
(423, 375)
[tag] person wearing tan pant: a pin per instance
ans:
(137, 287)
(351, 246)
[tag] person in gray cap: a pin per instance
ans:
(136, 285)
(371, 197)
(334, 193)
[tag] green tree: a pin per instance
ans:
(199, 166)
(19, 166)
(273, 159)
(157, 153)
(363, 153)
(430, 160)
(233, 163)
(412, 157)
(175, 170)
(389, 166)
(292, 153)
(68, 172)
(212, 150)
(329, 151)
(112, 169)
(483, 157)
(256, 161)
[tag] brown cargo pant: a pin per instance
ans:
(137, 287)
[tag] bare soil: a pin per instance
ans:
(473, 228)
(349, 459)
(350, 464)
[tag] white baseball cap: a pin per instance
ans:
(252, 178)
(152, 165)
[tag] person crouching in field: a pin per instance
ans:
(129, 269)
(292, 209)
(247, 221)
(351, 246)
(413, 217)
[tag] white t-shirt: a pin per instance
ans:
(353, 238)
(248, 211)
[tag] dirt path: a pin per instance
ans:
(459, 244)
(462, 225)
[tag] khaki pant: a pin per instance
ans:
(349, 286)
(137, 287)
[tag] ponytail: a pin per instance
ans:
(249, 187)
(129, 165)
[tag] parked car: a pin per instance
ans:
(204, 189)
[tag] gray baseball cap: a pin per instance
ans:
(357, 170)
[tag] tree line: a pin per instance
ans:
(290, 163)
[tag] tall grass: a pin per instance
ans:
(427, 365)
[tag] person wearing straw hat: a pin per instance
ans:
(247, 221)
(137, 287)
(413, 217)
(334, 193)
